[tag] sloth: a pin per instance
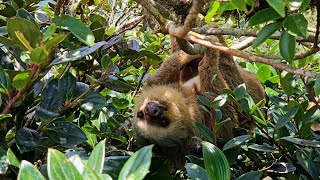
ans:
(168, 105)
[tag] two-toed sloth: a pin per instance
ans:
(168, 104)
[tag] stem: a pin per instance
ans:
(33, 71)
(310, 93)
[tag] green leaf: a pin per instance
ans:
(77, 54)
(287, 46)
(313, 166)
(96, 158)
(51, 99)
(120, 103)
(7, 42)
(26, 15)
(240, 92)
(27, 139)
(240, 4)
(205, 131)
(252, 175)
(263, 73)
(305, 4)
(93, 101)
(283, 120)
(20, 80)
(67, 85)
(39, 55)
(263, 16)
(29, 172)
(60, 167)
(256, 106)
(286, 86)
(196, 172)
(236, 141)
(260, 121)
(65, 133)
(30, 32)
(4, 81)
(50, 43)
(278, 6)
(266, 32)
(13, 160)
(137, 166)
(215, 162)
(303, 142)
(214, 6)
(80, 30)
(263, 148)
(106, 62)
(317, 85)
(205, 101)
(296, 25)
(49, 32)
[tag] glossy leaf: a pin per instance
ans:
(204, 131)
(262, 148)
(196, 172)
(55, 41)
(39, 55)
(13, 160)
(93, 101)
(29, 172)
(78, 28)
(30, 32)
(278, 6)
(266, 32)
(120, 103)
(216, 164)
(65, 133)
(263, 16)
(263, 73)
(286, 86)
(236, 141)
(4, 163)
(77, 54)
(60, 167)
(287, 46)
(252, 175)
(283, 120)
(303, 142)
(51, 100)
(96, 159)
(27, 139)
(137, 166)
(296, 25)
(20, 80)
(67, 85)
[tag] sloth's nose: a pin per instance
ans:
(154, 109)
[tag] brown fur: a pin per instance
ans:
(175, 86)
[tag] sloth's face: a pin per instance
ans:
(162, 115)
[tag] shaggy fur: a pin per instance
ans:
(168, 106)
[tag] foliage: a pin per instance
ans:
(69, 79)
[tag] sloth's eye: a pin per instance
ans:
(140, 114)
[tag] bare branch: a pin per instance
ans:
(189, 48)
(243, 44)
(129, 24)
(245, 32)
(154, 11)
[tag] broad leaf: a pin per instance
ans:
(96, 158)
(67, 85)
(20, 80)
(252, 175)
(78, 28)
(303, 142)
(216, 164)
(287, 46)
(266, 32)
(264, 148)
(283, 120)
(65, 133)
(196, 172)
(30, 32)
(60, 167)
(137, 166)
(204, 131)
(93, 101)
(263, 16)
(278, 6)
(317, 85)
(39, 55)
(29, 172)
(27, 139)
(13, 160)
(120, 103)
(264, 73)
(296, 25)
(236, 141)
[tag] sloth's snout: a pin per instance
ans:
(154, 109)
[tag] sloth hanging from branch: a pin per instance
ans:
(168, 106)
